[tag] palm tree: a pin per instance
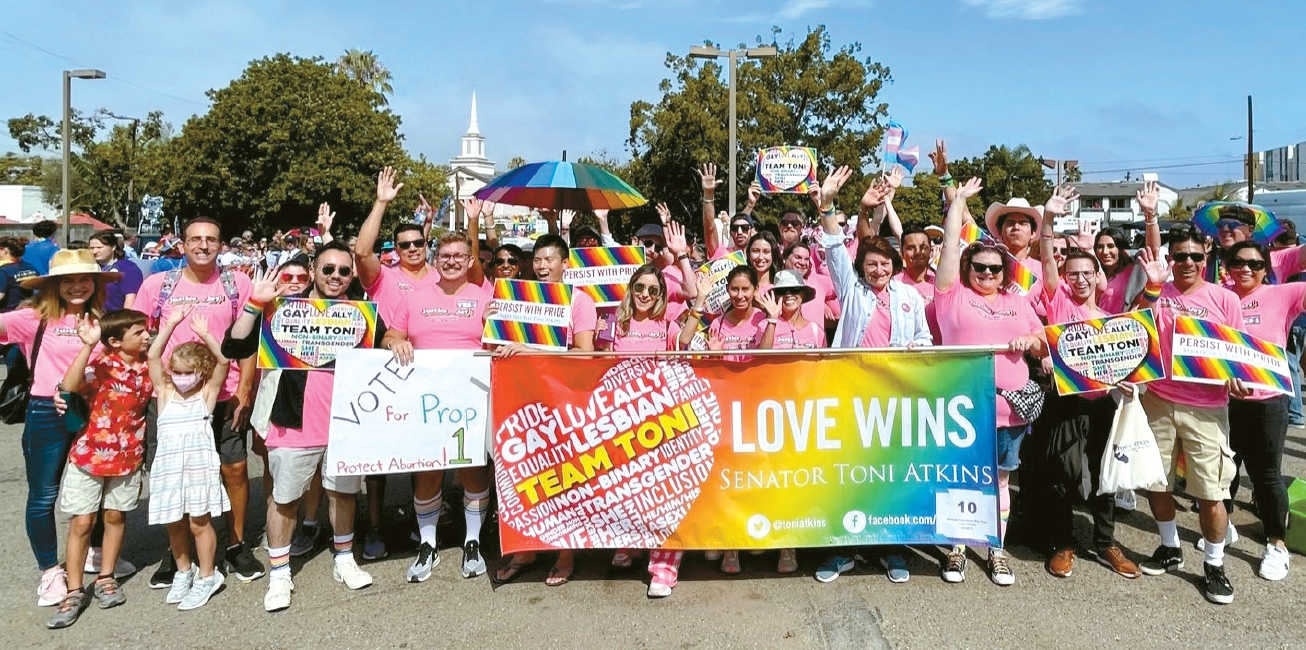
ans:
(1179, 211)
(367, 70)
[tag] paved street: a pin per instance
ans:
(606, 608)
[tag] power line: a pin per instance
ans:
(1177, 166)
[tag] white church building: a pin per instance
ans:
(471, 170)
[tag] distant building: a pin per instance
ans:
(1114, 203)
(25, 204)
(1283, 164)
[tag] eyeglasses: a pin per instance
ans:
(202, 240)
(986, 268)
(452, 257)
(654, 244)
(342, 271)
(1075, 275)
(504, 261)
(1195, 258)
(1238, 263)
(652, 290)
(1231, 224)
(740, 227)
(411, 243)
(294, 278)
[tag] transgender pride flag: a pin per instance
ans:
(894, 137)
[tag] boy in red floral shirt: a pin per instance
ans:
(104, 465)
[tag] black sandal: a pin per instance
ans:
(514, 570)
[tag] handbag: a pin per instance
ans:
(1026, 402)
(78, 412)
(1132, 460)
(16, 390)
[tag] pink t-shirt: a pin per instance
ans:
(435, 320)
(584, 315)
(745, 335)
(879, 328)
(1286, 263)
(317, 415)
(675, 292)
(59, 346)
(210, 299)
(967, 318)
(647, 335)
(807, 337)
(1062, 308)
(1112, 301)
(1268, 312)
(394, 284)
(1209, 302)
(825, 286)
(926, 289)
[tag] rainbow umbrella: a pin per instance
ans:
(1264, 232)
(562, 185)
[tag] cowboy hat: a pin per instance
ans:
(1016, 205)
(791, 280)
(66, 262)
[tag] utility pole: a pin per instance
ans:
(1251, 161)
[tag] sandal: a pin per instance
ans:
(621, 560)
(109, 592)
(788, 561)
(730, 562)
(559, 576)
(511, 571)
(70, 608)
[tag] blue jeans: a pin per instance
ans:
(1296, 337)
(45, 452)
(1009, 439)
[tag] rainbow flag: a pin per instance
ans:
(603, 272)
(1209, 353)
(1098, 353)
(1021, 276)
(530, 312)
(970, 233)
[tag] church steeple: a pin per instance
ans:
(473, 142)
(473, 128)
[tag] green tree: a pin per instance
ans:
(16, 169)
(1006, 172)
(367, 70)
(515, 162)
(921, 204)
(287, 135)
(1179, 211)
(811, 94)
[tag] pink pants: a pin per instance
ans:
(665, 565)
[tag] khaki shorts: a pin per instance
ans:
(81, 493)
(293, 470)
(1203, 436)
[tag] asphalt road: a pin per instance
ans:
(606, 608)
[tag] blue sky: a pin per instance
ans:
(1117, 85)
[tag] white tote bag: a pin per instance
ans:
(1132, 459)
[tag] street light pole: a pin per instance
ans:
(68, 76)
(705, 52)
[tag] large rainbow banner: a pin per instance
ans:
(603, 272)
(530, 312)
(782, 451)
(1209, 353)
(1098, 353)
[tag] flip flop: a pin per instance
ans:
(514, 570)
(559, 576)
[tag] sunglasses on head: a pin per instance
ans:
(1195, 258)
(1238, 263)
(504, 261)
(652, 290)
(294, 277)
(740, 227)
(412, 243)
(342, 271)
(986, 268)
(1231, 224)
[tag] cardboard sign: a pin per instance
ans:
(603, 272)
(1098, 353)
(530, 312)
(788, 170)
(304, 333)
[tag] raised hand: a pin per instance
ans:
(769, 304)
(1157, 270)
(705, 285)
(424, 208)
(969, 188)
(265, 286)
(199, 324)
(708, 176)
(824, 197)
(876, 194)
(176, 316)
(386, 190)
(675, 236)
(1147, 196)
(1059, 203)
(754, 193)
(664, 213)
(894, 177)
(88, 330)
(940, 158)
(325, 217)
(567, 216)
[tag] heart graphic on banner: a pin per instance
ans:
(1108, 354)
(315, 336)
(641, 447)
(785, 169)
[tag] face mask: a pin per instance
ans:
(185, 382)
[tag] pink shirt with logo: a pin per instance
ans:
(210, 299)
(879, 328)
(744, 335)
(59, 346)
(317, 415)
(394, 285)
(1208, 302)
(1112, 300)
(1267, 313)
(967, 318)
(1062, 308)
(435, 320)
(648, 335)
(807, 337)
(926, 289)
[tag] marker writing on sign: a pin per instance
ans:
(368, 401)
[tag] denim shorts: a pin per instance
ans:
(1009, 439)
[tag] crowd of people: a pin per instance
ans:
(157, 367)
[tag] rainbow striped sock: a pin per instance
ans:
(279, 558)
(344, 544)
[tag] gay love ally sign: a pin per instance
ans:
(428, 415)
(535, 313)
(304, 333)
(603, 272)
(786, 169)
(718, 269)
(1209, 353)
(1098, 353)
(784, 451)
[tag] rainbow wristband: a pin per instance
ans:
(254, 306)
(1151, 293)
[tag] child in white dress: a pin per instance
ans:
(186, 477)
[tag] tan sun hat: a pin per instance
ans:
(788, 279)
(78, 262)
(1016, 205)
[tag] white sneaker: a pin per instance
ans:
(201, 591)
(1230, 537)
(278, 596)
(999, 570)
(1125, 500)
(181, 584)
(95, 556)
(347, 571)
(711, 556)
(52, 588)
(1274, 566)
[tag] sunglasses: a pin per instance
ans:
(986, 268)
(294, 277)
(782, 293)
(654, 244)
(1238, 263)
(504, 261)
(791, 223)
(740, 227)
(843, 224)
(652, 290)
(1195, 258)
(412, 243)
(936, 240)
(1231, 224)
(342, 271)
